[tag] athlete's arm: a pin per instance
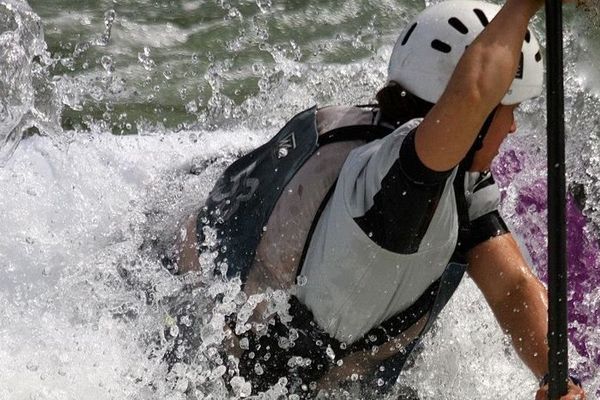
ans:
(518, 299)
(363, 363)
(478, 84)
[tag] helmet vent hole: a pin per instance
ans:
(528, 36)
(441, 46)
(519, 74)
(481, 15)
(458, 25)
(538, 57)
(410, 31)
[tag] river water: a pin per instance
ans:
(116, 117)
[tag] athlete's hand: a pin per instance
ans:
(575, 393)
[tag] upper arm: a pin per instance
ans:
(449, 129)
(477, 85)
(498, 268)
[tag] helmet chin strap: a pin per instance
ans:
(466, 163)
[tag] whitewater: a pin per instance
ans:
(115, 121)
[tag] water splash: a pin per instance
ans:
(27, 94)
(83, 224)
(101, 40)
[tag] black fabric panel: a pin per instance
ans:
(462, 209)
(238, 206)
(302, 337)
(367, 133)
(413, 167)
(404, 207)
(483, 228)
(312, 342)
(486, 180)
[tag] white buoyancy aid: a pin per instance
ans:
(352, 285)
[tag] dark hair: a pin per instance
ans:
(398, 105)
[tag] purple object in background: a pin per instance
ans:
(528, 220)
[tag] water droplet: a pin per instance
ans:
(186, 320)
(282, 152)
(301, 280)
(109, 17)
(32, 366)
(240, 387)
(107, 64)
(218, 372)
(258, 369)
(264, 5)
(145, 59)
(167, 73)
(174, 331)
(191, 107)
(234, 13)
(283, 343)
(330, 353)
(257, 68)
(67, 63)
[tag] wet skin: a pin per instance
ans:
(502, 125)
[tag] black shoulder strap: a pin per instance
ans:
(366, 133)
(241, 202)
(463, 214)
(313, 226)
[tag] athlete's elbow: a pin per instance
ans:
(532, 293)
(521, 294)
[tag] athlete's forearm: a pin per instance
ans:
(363, 364)
(515, 295)
(360, 364)
(523, 315)
(490, 63)
(478, 84)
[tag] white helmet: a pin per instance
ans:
(428, 50)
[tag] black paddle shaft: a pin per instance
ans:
(557, 232)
